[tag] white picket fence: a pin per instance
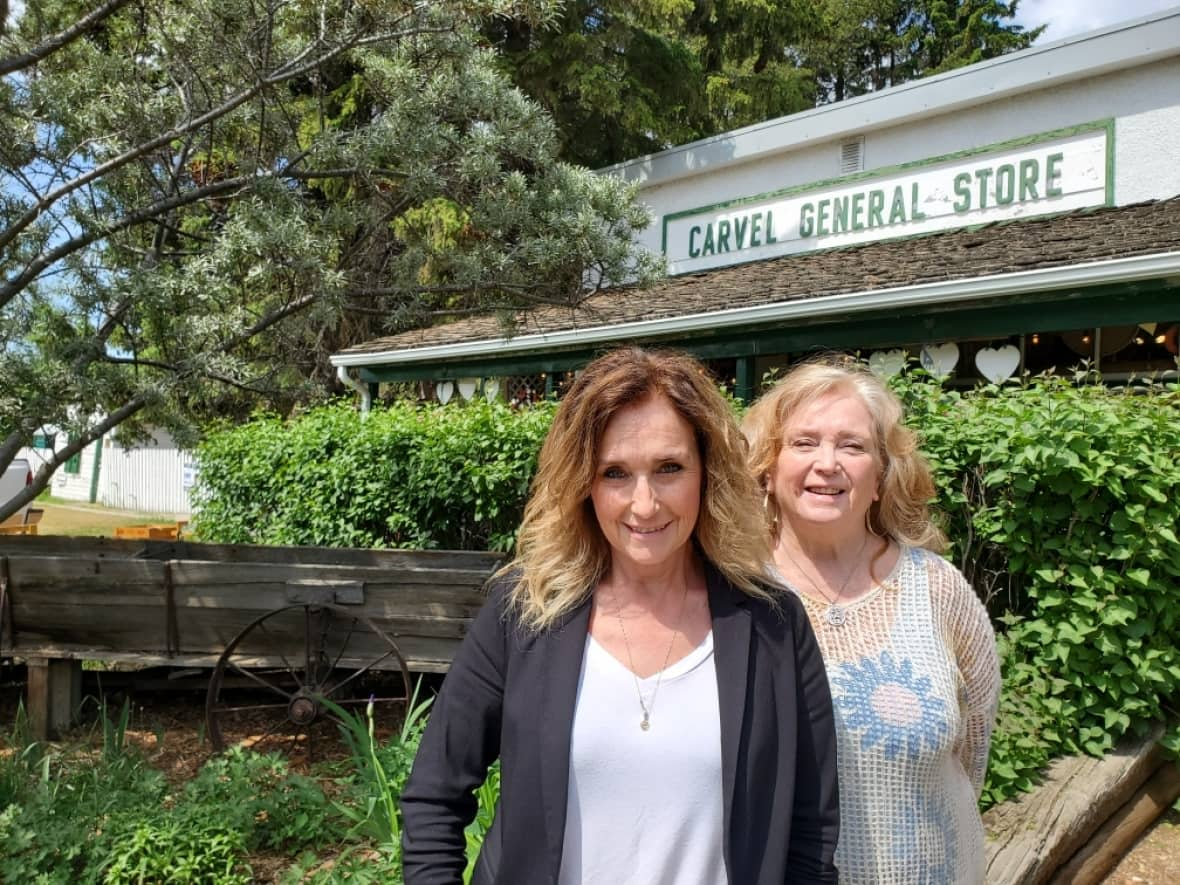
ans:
(151, 477)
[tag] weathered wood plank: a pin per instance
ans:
(194, 572)
(85, 573)
(115, 628)
(1100, 855)
(129, 628)
(107, 600)
(1031, 836)
(377, 596)
(55, 545)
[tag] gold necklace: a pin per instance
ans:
(648, 706)
(836, 614)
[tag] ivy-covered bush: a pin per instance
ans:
(1061, 498)
(406, 475)
(1062, 501)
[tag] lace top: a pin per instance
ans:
(915, 683)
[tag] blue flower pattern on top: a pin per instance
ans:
(891, 705)
(923, 818)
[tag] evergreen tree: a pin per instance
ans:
(200, 199)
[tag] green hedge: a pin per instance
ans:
(404, 476)
(1061, 498)
(1062, 501)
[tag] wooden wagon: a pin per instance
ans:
(286, 633)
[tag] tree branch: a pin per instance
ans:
(301, 64)
(60, 39)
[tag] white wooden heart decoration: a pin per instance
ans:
(467, 387)
(490, 388)
(940, 359)
(887, 363)
(997, 364)
(443, 390)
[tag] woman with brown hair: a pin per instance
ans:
(909, 649)
(661, 716)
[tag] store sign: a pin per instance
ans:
(1053, 175)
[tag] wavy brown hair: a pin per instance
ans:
(902, 511)
(561, 553)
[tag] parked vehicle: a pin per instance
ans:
(18, 475)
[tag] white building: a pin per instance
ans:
(152, 476)
(1021, 213)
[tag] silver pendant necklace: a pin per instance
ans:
(649, 705)
(835, 614)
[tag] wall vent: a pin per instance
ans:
(852, 155)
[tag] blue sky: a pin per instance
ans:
(1068, 17)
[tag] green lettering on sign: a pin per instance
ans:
(897, 209)
(839, 215)
(1029, 173)
(740, 226)
(876, 206)
(858, 210)
(916, 214)
(1053, 175)
(1005, 184)
(963, 192)
(806, 220)
(723, 235)
(983, 176)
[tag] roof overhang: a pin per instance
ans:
(1163, 266)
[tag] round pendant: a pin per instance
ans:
(645, 725)
(835, 616)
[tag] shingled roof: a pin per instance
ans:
(997, 248)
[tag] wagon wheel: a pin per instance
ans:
(269, 687)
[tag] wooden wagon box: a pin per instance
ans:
(186, 604)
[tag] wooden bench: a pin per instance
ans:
(22, 525)
(162, 531)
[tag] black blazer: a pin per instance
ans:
(510, 694)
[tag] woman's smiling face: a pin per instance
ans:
(647, 485)
(827, 471)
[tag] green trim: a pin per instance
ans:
(1044, 312)
(743, 388)
(97, 467)
(1106, 125)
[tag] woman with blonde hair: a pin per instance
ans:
(660, 714)
(909, 649)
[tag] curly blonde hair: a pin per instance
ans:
(902, 511)
(561, 553)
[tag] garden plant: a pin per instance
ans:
(1060, 496)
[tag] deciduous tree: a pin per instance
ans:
(198, 198)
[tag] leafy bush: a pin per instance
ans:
(1061, 497)
(409, 476)
(1062, 501)
(112, 819)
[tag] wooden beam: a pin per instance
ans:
(1031, 836)
(54, 695)
(1095, 859)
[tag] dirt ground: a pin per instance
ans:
(1155, 858)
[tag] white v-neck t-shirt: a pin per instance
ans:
(645, 807)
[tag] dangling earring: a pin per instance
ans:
(869, 523)
(771, 512)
